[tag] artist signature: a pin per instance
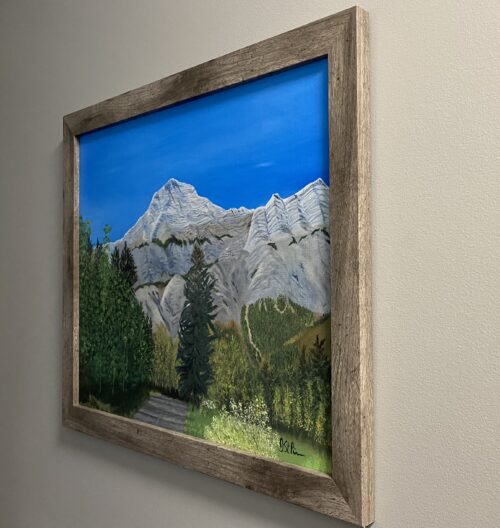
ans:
(288, 447)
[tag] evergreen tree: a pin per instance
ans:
(115, 258)
(88, 303)
(124, 263)
(116, 340)
(196, 331)
(320, 361)
(321, 376)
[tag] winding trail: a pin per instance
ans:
(250, 337)
(165, 412)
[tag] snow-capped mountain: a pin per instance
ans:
(177, 208)
(281, 248)
(298, 215)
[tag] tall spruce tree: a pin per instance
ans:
(196, 330)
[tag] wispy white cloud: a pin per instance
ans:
(264, 164)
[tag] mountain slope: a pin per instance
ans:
(279, 249)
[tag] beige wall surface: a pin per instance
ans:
(436, 269)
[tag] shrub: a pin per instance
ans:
(98, 404)
(234, 378)
(244, 427)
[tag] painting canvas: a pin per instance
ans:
(204, 268)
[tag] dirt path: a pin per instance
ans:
(249, 332)
(164, 412)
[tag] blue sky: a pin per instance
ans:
(237, 147)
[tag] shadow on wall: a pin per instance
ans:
(223, 495)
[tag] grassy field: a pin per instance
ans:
(315, 457)
(307, 336)
(196, 421)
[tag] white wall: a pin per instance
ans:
(436, 242)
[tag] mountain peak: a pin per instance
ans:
(318, 184)
(173, 185)
(174, 208)
(173, 191)
(172, 182)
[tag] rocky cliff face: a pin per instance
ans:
(281, 248)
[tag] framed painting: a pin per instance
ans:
(217, 268)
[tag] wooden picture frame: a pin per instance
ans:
(348, 495)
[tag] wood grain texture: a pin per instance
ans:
(70, 270)
(349, 494)
(367, 511)
(351, 268)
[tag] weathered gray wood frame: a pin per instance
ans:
(343, 38)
